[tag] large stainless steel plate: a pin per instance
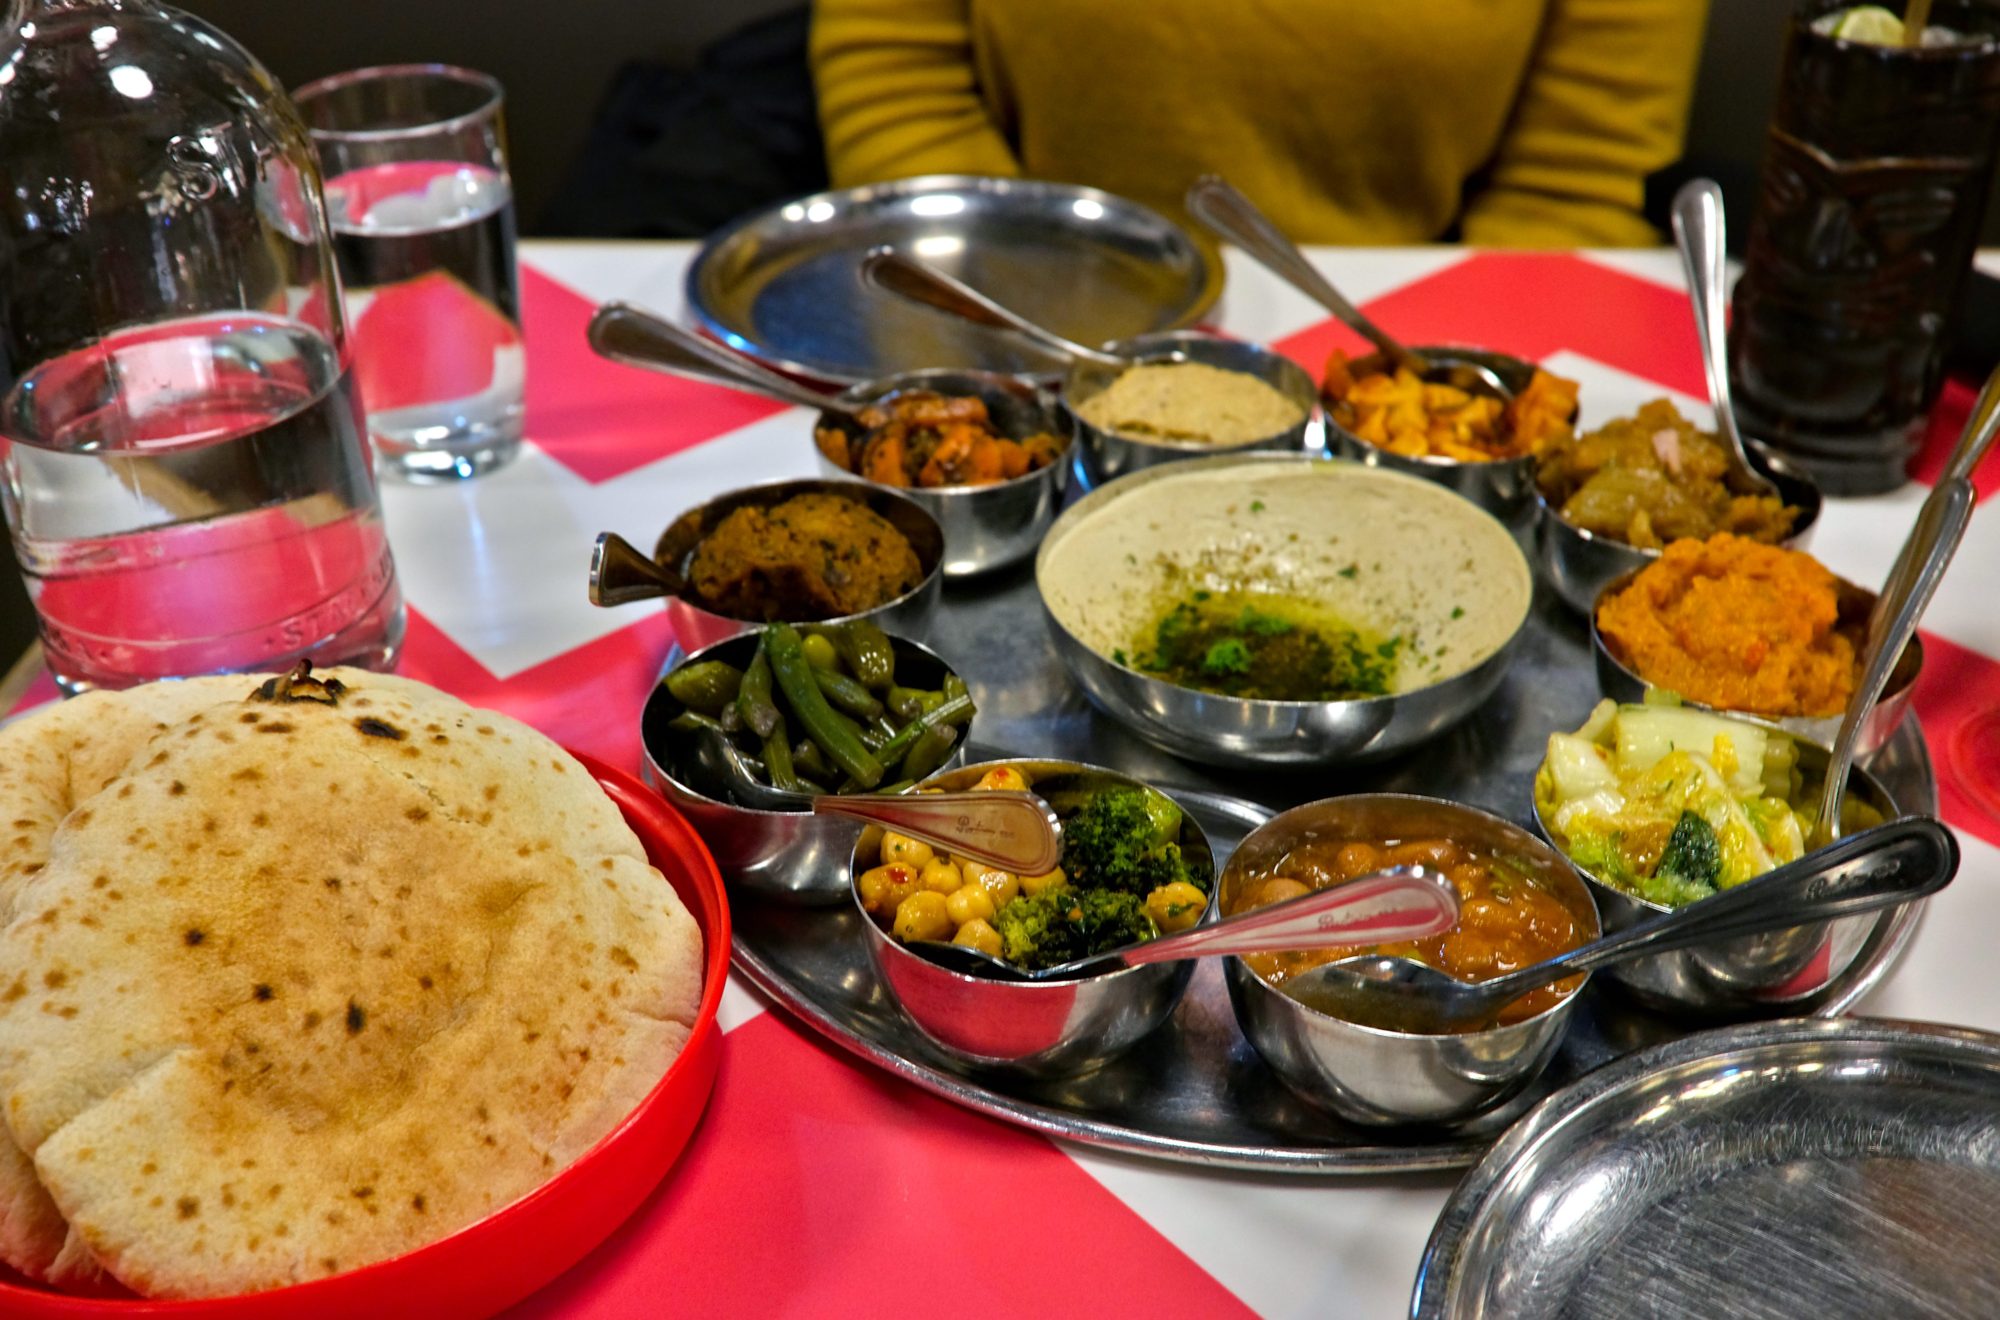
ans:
(782, 284)
(1842, 1170)
(1195, 1091)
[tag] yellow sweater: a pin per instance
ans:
(1526, 123)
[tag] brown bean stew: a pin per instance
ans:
(1509, 915)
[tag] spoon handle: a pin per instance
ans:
(1895, 863)
(907, 277)
(1235, 218)
(1699, 234)
(1912, 582)
(1013, 831)
(621, 573)
(1388, 907)
(637, 338)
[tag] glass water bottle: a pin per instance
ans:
(184, 465)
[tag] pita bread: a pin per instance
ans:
(50, 762)
(309, 985)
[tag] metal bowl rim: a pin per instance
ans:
(810, 486)
(1057, 531)
(1136, 347)
(1877, 791)
(1210, 268)
(1599, 644)
(870, 390)
(882, 939)
(1561, 1006)
(704, 653)
(1522, 463)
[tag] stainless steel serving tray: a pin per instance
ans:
(782, 285)
(1844, 1170)
(1195, 1092)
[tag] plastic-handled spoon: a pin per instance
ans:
(906, 276)
(624, 333)
(1699, 234)
(1895, 863)
(1401, 903)
(1236, 219)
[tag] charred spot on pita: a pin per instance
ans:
(375, 728)
(300, 685)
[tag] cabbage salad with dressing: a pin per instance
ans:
(1670, 804)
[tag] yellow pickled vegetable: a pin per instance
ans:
(922, 916)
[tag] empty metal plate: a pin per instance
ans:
(1820, 1168)
(783, 284)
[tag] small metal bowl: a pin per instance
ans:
(1035, 1030)
(985, 527)
(696, 626)
(1754, 975)
(1504, 487)
(1366, 1074)
(1249, 733)
(793, 856)
(1578, 563)
(1111, 454)
(1619, 682)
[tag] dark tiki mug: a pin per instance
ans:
(1874, 185)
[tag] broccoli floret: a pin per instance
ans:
(1063, 924)
(1125, 839)
(1693, 857)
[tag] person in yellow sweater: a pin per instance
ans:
(1515, 123)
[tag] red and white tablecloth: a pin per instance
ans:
(817, 1186)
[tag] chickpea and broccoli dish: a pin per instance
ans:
(1123, 880)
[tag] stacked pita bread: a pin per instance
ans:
(296, 981)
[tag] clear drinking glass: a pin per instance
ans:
(183, 461)
(423, 220)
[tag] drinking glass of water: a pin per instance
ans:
(423, 221)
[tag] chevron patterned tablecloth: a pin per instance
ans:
(817, 1186)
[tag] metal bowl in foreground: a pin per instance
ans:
(1111, 454)
(1578, 564)
(985, 527)
(1377, 546)
(696, 626)
(1026, 1029)
(1617, 680)
(1366, 1074)
(1504, 487)
(792, 856)
(1754, 974)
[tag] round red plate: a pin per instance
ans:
(491, 1264)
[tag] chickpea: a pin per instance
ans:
(1275, 890)
(1003, 777)
(902, 848)
(1035, 884)
(980, 936)
(870, 843)
(1176, 906)
(1001, 886)
(878, 883)
(971, 903)
(922, 916)
(940, 875)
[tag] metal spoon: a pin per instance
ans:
(1401, 903)
(1698, 233)
(1912, 581)
(899, 273)
(1235, 218)
(624, 333)
(1895, 863)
